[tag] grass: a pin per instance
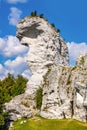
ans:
(38, 123)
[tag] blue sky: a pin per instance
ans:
(70, 16)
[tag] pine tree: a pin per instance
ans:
(33, 14)
(41, 15)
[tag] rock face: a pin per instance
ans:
(46, 48)
(64, 87)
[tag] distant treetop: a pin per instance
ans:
(34, 13)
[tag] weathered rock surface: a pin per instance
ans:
(64, 87)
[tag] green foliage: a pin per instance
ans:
(53, 25)
(34, 13)
(69, 81)
(82, 61)
(39, 97)
(10, 87)
(20, 84)
(4, 117)
(46, 81)
(58, 30)
(38, 123)
(1, 120)
(41, 15)
(74, 68)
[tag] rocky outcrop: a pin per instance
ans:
(46, 48)
(64, 87)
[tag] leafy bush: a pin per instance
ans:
(39, 98)
(34, 13)
(53, 25)
(10, 87)
(41, 15)
(58, 30)
(82, 61)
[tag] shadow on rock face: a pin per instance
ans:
(31, 32)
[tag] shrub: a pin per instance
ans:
(39, 97)
(69, 79)
(33, 14)
(46, 81)
(53, 25)
(9, 87)
(41, 15)
(58, 30)
(82, 61)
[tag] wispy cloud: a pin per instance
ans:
(14, 16)
(75, 50)
(16, 1)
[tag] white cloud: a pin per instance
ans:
(75, 50)
(27, 74)
(2, 43)
(10, 46)
(3, 72)
(16, 66)
(16, 1)
(14, 16)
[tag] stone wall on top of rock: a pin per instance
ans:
(64, 87)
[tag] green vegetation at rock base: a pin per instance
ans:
(38, 123)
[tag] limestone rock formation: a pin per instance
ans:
(64, 87)
(46, 48)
